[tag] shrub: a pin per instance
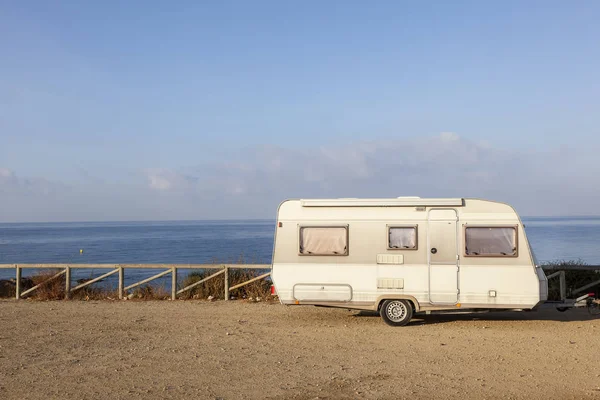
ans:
(574, 279)
(215, 286)
(51, 289)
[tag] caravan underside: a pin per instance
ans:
(418, 307)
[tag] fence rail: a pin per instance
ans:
(167, 269)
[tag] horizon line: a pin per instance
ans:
(231, 220)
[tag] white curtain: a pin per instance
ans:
(403, 238)
(323, 241)
(491, 241)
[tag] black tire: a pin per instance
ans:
(562, 309)
(396, 312)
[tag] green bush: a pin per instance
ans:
(574, 279)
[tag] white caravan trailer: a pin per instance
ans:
(405, 255)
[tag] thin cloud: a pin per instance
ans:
(554, 182)
(11, 184)
(166, 180)
(6, 173)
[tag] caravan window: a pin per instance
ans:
(402, 237)
(324, 240)
(497, 241)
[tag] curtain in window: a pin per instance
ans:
(403, 238)
(323, 241)
(491, 241)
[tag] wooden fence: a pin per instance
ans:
(558, 271)
(66, 269)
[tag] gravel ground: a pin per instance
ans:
(237, 350)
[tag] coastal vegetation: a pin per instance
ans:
(574, 278)
(212, 289)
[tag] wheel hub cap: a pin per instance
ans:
(396, 311)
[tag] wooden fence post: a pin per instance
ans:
(563, 286)
(18, 283)
(67, 282)
(121, 282)
(173, 283)
(226, 283)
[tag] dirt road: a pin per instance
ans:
(236, 350)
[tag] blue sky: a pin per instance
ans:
(151, 110)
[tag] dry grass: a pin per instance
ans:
(7, 288)
(213, 288)
(149, 292)
(54, 288)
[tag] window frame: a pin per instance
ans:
(345, 226)
(387, 231)
(515, 255)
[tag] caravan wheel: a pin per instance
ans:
(396, 312)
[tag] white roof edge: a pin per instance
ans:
(398, 202)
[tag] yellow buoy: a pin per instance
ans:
(80, 251)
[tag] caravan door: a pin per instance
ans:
(442, 250)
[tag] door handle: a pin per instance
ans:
(433, 250)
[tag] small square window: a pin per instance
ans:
(402, 237)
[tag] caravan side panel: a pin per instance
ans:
(371, 269)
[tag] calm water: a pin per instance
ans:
(197, 242)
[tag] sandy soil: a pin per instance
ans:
(236, 350)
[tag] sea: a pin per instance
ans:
(249, 242)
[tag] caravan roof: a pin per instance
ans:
(397, 202)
